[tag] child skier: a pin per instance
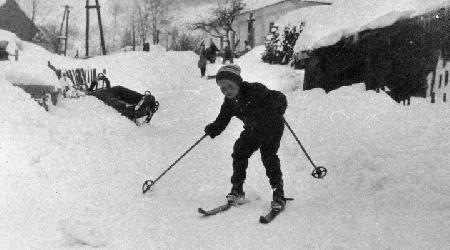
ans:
(261, 111)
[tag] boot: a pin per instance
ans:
(279, 201)
(237, 195)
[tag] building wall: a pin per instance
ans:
(400, 57)
(441, 80)
(263, 18)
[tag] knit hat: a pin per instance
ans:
(230, 72)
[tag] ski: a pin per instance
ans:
(265, 219)
(274, 212)
(215, 210)
(221, 208)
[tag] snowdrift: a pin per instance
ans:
(72, 177)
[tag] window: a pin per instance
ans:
(440, 81)
(446, 77)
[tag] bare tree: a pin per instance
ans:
(143, 11)
(32, 7)
(221, 23)
(132, 27)
(210, 26)
(52, 34)
(158, 10)
(115, 9)
(150, 14)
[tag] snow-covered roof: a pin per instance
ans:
(257, 4)
(325, 25)
(13, 41)
(251, 5)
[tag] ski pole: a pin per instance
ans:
(318, 172)
(149, 183)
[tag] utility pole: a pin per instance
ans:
(134, 34)
(67, 8)
(60, 37)
(87, 29)
(102, 38)
(65, 37)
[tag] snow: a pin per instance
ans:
(24, 73)
(71, 177)
(257, 4)
(13, 41)
(325, 25)
(191, 14)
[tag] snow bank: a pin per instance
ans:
(27, 73)
(31, 67)
(280, 77)
(71, 177)
(14, 43)
(154, 70)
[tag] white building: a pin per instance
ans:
(254, 23)
(438, 84)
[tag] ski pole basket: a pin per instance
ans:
(319, 171)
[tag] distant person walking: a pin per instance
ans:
(228, 54)
(202, 60)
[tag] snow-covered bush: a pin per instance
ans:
(280, 47)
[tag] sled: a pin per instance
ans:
(135, 106)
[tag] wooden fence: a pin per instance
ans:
(82, 78)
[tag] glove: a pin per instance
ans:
(211, 130)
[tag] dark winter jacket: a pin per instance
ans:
(260, 109)
(228, 53)
(202, 61)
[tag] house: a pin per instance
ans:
(437, 80)
(400, 56)
(257, 18)
(12, 18)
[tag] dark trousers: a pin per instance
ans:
(268, 146)
(202, 71)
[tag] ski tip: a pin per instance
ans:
(202, 211)
(263, 220)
